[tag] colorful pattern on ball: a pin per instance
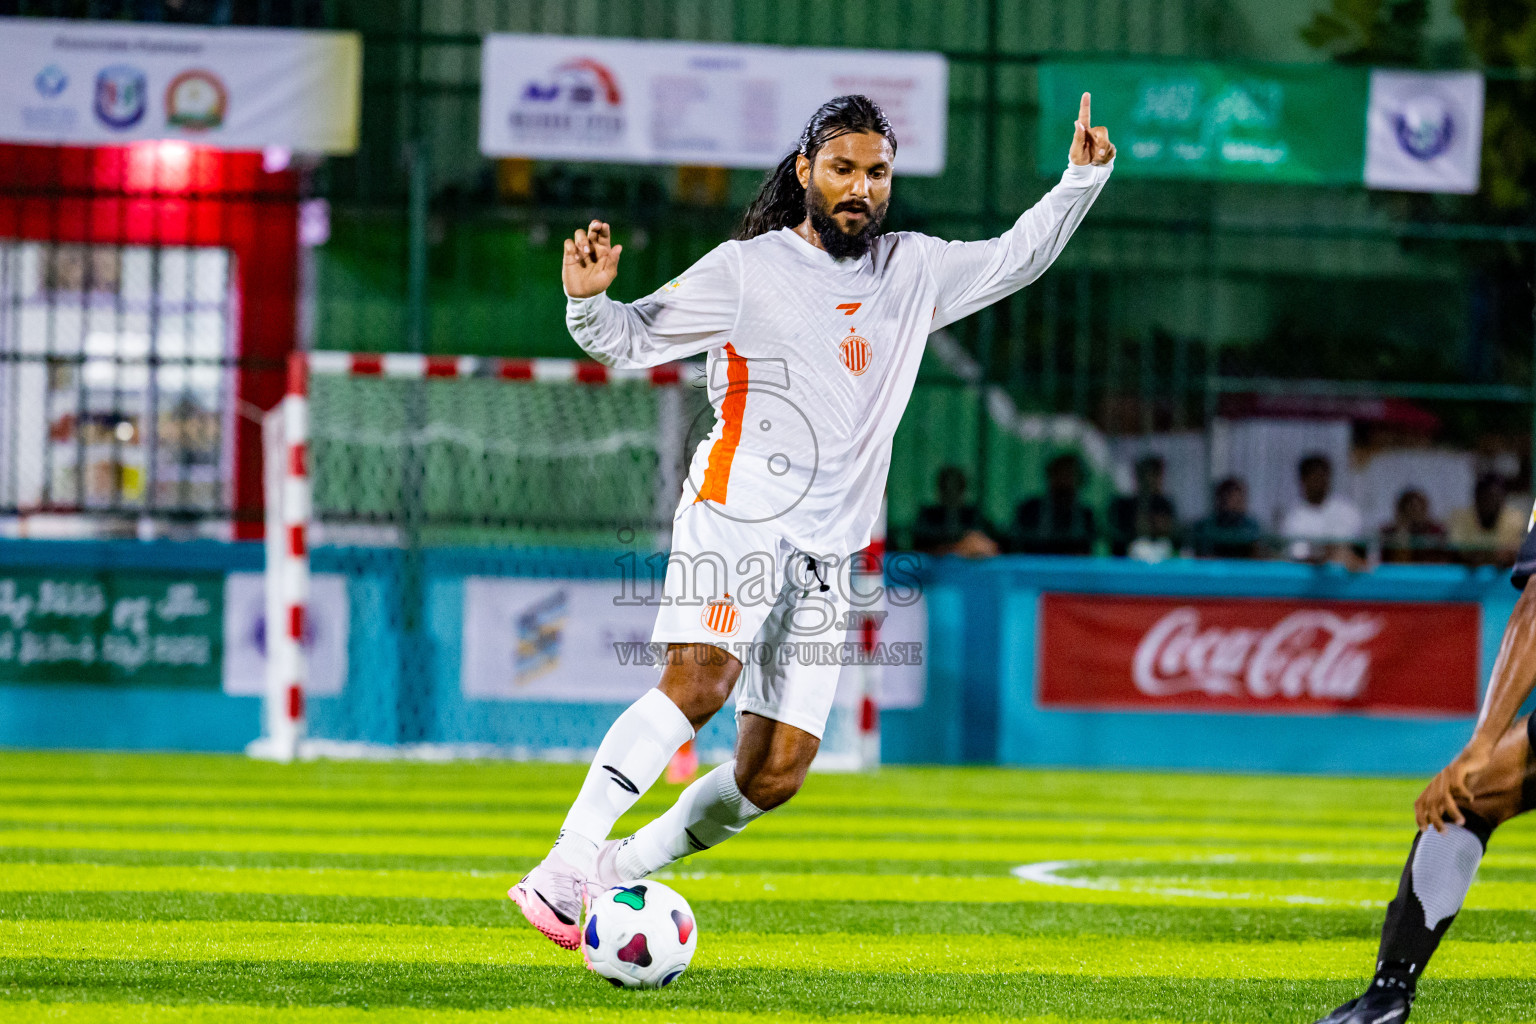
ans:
(640, 936)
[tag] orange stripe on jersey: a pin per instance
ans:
(732, 409)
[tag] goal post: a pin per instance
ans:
(445, 544)
(285, 433)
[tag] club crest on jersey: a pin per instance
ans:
(854, 353)
(720, 616)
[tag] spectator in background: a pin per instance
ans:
(1490, 532)
(1323, 526)
(1056, 523)
(1146, 515)
(1412, 536)
(1229, 531)
(953, 527)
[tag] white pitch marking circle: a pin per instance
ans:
(1045, 873)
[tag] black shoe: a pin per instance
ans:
(1377, 1006)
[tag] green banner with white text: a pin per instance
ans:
(1302, 124)
(112, 626)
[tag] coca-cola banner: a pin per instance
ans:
(1270, 656)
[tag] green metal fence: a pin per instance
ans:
(1173, 296)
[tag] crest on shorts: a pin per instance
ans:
(721, 616)
(854, 353)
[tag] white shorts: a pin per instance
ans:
(780, 611)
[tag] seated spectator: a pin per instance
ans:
(1056, 523)
(1489, 532)
(1322, 527)
(1412, 536)
(1229, 531)
(1146, 515)
(953, 527)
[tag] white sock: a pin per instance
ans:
(631, 757)
(708, 813)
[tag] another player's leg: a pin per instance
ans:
(770, 765)
(1440, 869)
(694, 685)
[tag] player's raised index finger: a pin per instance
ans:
(1084, 112)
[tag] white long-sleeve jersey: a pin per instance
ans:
(812, 359)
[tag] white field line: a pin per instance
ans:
(1045, 873)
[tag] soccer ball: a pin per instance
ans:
(640, 935)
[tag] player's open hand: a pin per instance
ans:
(1090, 145)
(591, 261)
(1451, 790)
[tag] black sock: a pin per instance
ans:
(1447, 861)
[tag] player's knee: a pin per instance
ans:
(712, 691)
(698, 679)
(1506, 788)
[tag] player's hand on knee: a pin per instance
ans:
(1090, 145)
(590, 262)
(1450, 790)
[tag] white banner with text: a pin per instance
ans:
(711, 104)
(106, 83)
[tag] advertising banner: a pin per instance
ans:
(113, 626)
(568, 640)
(327, 631)
(554, 640)
(1250, 655)
(1424, 131)
(107, 83)
(714, 104)
(1227, 122)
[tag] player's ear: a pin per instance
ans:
(803, 170)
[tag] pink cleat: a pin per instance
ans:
(552, 897)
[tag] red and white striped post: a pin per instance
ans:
(871, 565)
(288, 515)
(289, 494)
(411, 365)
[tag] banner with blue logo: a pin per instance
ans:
(1424, 131)
(1316, 124)
(712, 104)
(104, 83)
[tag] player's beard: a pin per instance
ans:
(839, 244)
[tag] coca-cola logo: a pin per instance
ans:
(1308, 654)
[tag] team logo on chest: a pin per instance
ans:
(853, 351)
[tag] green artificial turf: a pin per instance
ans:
(192, 889)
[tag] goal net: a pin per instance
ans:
(455, 547)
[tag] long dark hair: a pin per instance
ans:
(780, 202)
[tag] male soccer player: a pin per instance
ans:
(1490, 781)
(814, 321)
